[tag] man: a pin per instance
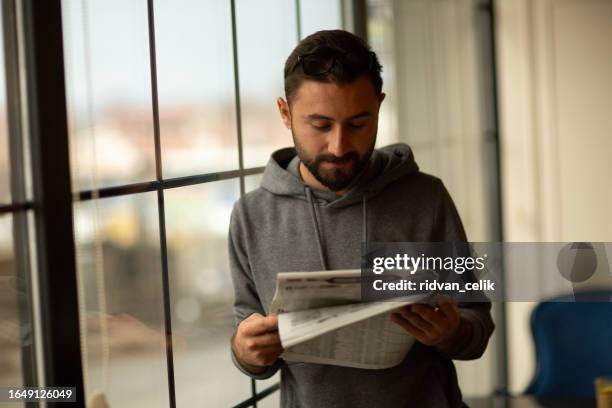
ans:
(316, 204)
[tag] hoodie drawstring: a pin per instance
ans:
(315, 221)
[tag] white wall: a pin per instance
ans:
(555, 87)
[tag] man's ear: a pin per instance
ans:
(283, 108)
(381, 98)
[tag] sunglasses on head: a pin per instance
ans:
(323, 61)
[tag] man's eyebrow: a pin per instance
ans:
(360, 115)
(316, 116)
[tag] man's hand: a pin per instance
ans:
(256, 343)
(433, 326)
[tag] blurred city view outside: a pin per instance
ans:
(10, 331)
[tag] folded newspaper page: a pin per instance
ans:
(321, 319)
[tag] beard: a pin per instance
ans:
(335, 178)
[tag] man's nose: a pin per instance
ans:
(337, 142)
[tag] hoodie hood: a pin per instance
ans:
(386, 165)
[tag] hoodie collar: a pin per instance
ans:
(387, 164)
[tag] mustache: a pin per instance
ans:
(349, 157)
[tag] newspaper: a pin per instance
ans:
(321, 319)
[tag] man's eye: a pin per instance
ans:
(356, 125)
(321, 126)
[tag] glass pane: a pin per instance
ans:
(108, 85)
(5, 185)
(266, 33)
(195, 71)
(381, 39)
(197, 223)
(10, 331)
(318, 15)
(252, 182)
(120, 293)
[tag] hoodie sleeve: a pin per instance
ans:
(246, 299)
(476, 323)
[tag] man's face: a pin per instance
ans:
(334, 128)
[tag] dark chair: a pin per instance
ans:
(573, 344)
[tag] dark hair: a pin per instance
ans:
(341, 42)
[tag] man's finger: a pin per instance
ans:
(267, 339)
(260, 324)
(416, 320)
(449, 308)
(253, 316)
(428, 314)
(275, 349)
(269, 354)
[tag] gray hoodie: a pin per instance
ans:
(287, 226)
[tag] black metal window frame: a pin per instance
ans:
(485, 10)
